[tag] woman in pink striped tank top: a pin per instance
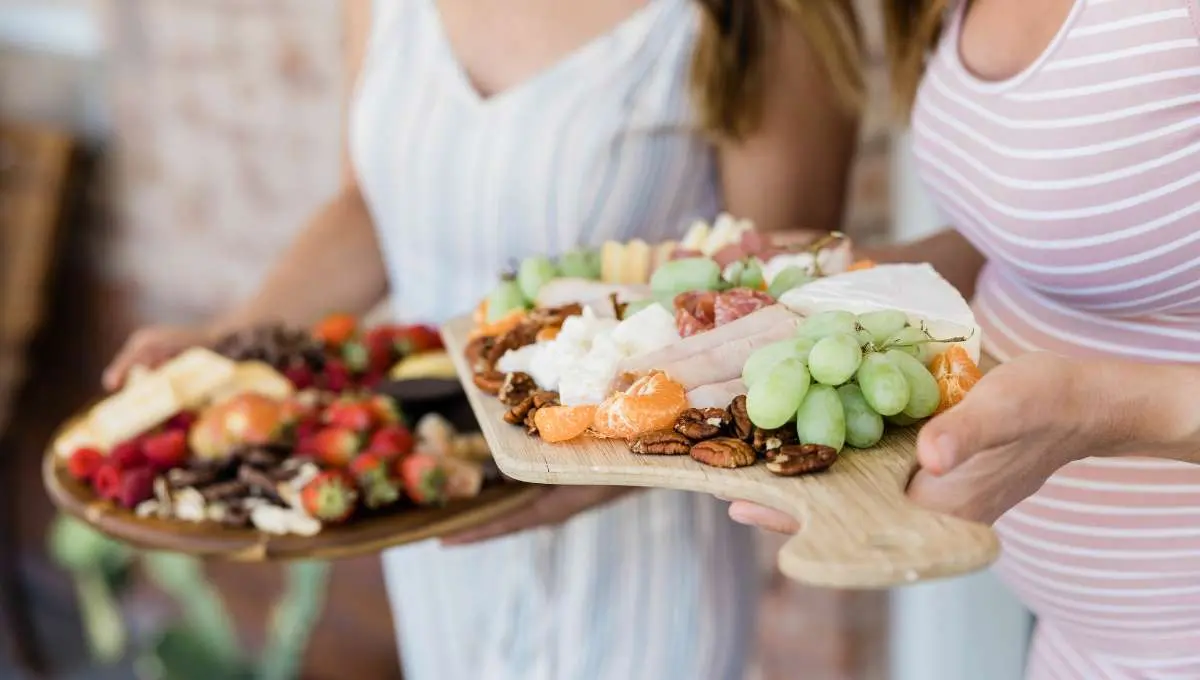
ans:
(1061, 139)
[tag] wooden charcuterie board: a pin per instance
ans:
(859, 529)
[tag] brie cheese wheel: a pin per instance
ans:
(915, 289)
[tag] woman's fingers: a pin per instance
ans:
(745, 512)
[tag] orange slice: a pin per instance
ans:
(652, 402)
(956, 374)
(563, 423)
(860, 265)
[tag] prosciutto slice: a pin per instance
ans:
(716, 395)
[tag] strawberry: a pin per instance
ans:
(416, 338)
(330, 497)
(424, 479)
(337, 376)
(84, 462)
(128, 454)
(391, 441)
(387, 411)
(355, 355)
(372, 379)
(106, 480)
(336, 329)
(375, 480)
(335, 446)
(136, 485)
(182, 421)
(300, 375)
(306, 428)
(350, 414)
(166, 450)
(381, 349)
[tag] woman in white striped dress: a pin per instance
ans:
(485, 131)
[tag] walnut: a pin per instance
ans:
(768, 441)
(489, 382)
(516, 387)
(699, 424)
(739, 419)
(801, 459)
(516, 414)
(662, 443)
(724, 452)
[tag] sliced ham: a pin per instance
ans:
(716, 355)
(716, 395)
(568, 290)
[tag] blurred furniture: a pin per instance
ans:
(34, 168)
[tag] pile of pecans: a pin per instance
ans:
(725, 438)
(521, 395)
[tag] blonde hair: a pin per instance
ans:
(727, 77)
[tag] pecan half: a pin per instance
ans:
(476, 353)
(801, 459)
(516, 415)
(524, 334)
(516, 387)
(489, 381)
(662, 443)
(554, 316)
(530, 424)
(699, 424)
(768, 441)
(739, 419)
(545, 398)
(724, 452)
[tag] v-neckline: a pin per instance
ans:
(464, 83)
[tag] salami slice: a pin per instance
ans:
(739, 302)
(695, 312)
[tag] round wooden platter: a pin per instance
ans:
(860, 531)
(360, 536)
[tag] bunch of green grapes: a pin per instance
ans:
(841, 377)
(519, 290)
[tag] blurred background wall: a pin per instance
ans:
(214, 129)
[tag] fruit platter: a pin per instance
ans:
(280, 443)
(791, 375)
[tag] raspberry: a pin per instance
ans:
(136, 485)
(300, 375)
(128, 454)
(166, 450)
(84, 462)
(337, 376)
(106, 481)
(182, 421)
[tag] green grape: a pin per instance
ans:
(821, 418)
(577, 264)
(751, 275)
(924, 395)
(883, 325)
(883, 384)
(534, 273)
(789, 278)
(901, 420)
(774, 400)
(822, 324)
(864, 427)
(504, 299)
(693, 273)
(593, 262)
(914, 341)
(763, 360)
(834, 359)
(864, 337)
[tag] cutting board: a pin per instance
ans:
(859, 530)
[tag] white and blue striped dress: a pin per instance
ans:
(602, 145)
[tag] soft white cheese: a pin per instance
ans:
(916, 289)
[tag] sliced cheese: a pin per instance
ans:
(636, 262)
(77, 436)
(134, 410)
(196, 373)
(612, 261)
(916, 289)
(256, 377)
(696, 236)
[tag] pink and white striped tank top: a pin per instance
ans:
(1080, 180)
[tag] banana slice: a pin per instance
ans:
(611, 261)
(636, 263)
(424, 365)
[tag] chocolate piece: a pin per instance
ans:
(224, 490)
(260, 483)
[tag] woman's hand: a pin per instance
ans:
(150, 347)
(555, 505)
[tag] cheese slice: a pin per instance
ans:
(636, 262)
(196, 373)
(134, 410)
(77, 436)
(612, 261)
(256, 377)
(916, 289)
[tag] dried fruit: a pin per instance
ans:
(516, 387)
(329, 497)
(739, 419)
(801, 459)
(84, 462)
(128, 454)
(424, 479)
(166, 450)
(336, 375)
(662, 443)
(724, 452)
(699, 424)
(489, 382)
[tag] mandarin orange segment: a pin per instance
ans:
(860, 265)
(652, 402)
(563, 423)
(956, 373)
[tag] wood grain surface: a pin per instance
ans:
(859, 529)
